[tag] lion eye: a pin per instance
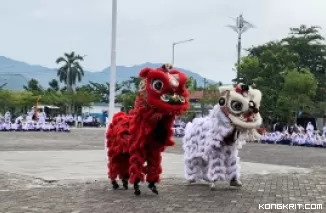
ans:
(236, 106)
(157, 85)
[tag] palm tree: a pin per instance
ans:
(71, 71)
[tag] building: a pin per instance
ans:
(100, 110)
(196, 102)
(195, 98)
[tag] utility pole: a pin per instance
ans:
(176, 43)
(241, 26)
(203, 105)
(205, 83)
(113, 60)
(205, 87)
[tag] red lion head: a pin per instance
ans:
(164, 89)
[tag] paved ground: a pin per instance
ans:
(91, 165)
(23, 193)
(94, 140)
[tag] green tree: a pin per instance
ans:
(129, 91)
(33, 86)
(307, 43)
(6, 100)
(212, 93)
(51, 97)
(54, 85)
(211, 96)
(297, 92)
(3, 85)
(269, 67)
(130, 85)
(86, 88)
(103, 90)
(21, 101)
(191, 84)
(71, 71)
(16, 101)
(81, 98)
(264, 68)
(127, 100)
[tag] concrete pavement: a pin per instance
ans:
(93, 139)
(91, 165)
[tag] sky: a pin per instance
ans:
(39, 31)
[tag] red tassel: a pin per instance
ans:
(238, 90)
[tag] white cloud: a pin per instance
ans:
(38, 31)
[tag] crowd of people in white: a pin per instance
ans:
(41, 122)
(30, 123)
(179, 128)
(298, 136)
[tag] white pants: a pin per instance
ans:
(6, 126)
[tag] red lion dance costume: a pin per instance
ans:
(142, 135)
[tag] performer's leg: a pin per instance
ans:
(136, 165)
(123, 169)
(194, 168)
(114, 163)
(154, 168)
(113, 167)
(232, 165)
(195, 159)
(216, 166)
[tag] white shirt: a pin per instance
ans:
(7, 117)
(20, 118)
(310, 128)
(58, 119)
(324, 130)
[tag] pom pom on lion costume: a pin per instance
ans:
(142, 135)
(211, 143)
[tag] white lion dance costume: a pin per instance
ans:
(211, 143)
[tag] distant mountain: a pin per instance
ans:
(16, 74)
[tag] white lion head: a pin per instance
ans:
(240, 103)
